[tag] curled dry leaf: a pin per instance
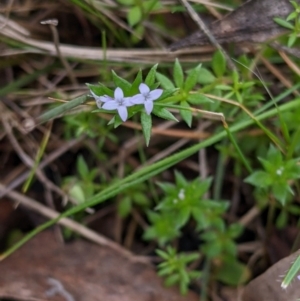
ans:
(251, 22)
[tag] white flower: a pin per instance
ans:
(119, 103)
(146, 97)
(100, 99)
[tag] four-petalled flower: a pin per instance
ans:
(146, 97)
(120, 103)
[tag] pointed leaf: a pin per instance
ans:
(82, 168)
(163, 113)
(284, 23)
(121, 83)
(259, 179)
(100, 90)
(233, 272)
(178, 74)
(180, 179)
(219, 63)
(135, 85)
(205, 76)
(146, 122)
(150, 78)
(134, 15)
(198, 99)
(191, 79)
(164, 81)
(186, 115)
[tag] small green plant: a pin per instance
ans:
(277, 176)
(135, 197)
(175, 268)
(292, 22)
(185, 201)
(82, 186)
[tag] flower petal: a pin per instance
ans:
(153, 95)
(122, 110)
(110, 105)
(137, 99)
(105, 98)
(119, 94)
(148, 107)
(127, 101)
(144, 89)
(97, 99)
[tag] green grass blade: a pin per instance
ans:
(56, 112)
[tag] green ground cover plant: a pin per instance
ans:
(251, 130)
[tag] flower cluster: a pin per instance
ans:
(121, 103)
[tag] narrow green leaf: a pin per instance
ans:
(164, 81)
(134, 15)
(58, 111)
(186, 115)
(292, 39)
(282, 219)
(178, 74)
(191, 79)
(219, 63)
(135, 85)
(292, 16)
(77, 193)
(164, 255)
(291, 274)
(180, 179)
(171, 280)
(233, 272)
(281, 192)
(121, 83)
(198, 99)
(146, 122)
(259, 179)
(205, 77)
(150, 78)
(124, 207)
(284, 23)
(82, 167)
(100, 90)
(163, 113)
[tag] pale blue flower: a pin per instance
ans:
(100, 99)
(119, 103)
(146, 97)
